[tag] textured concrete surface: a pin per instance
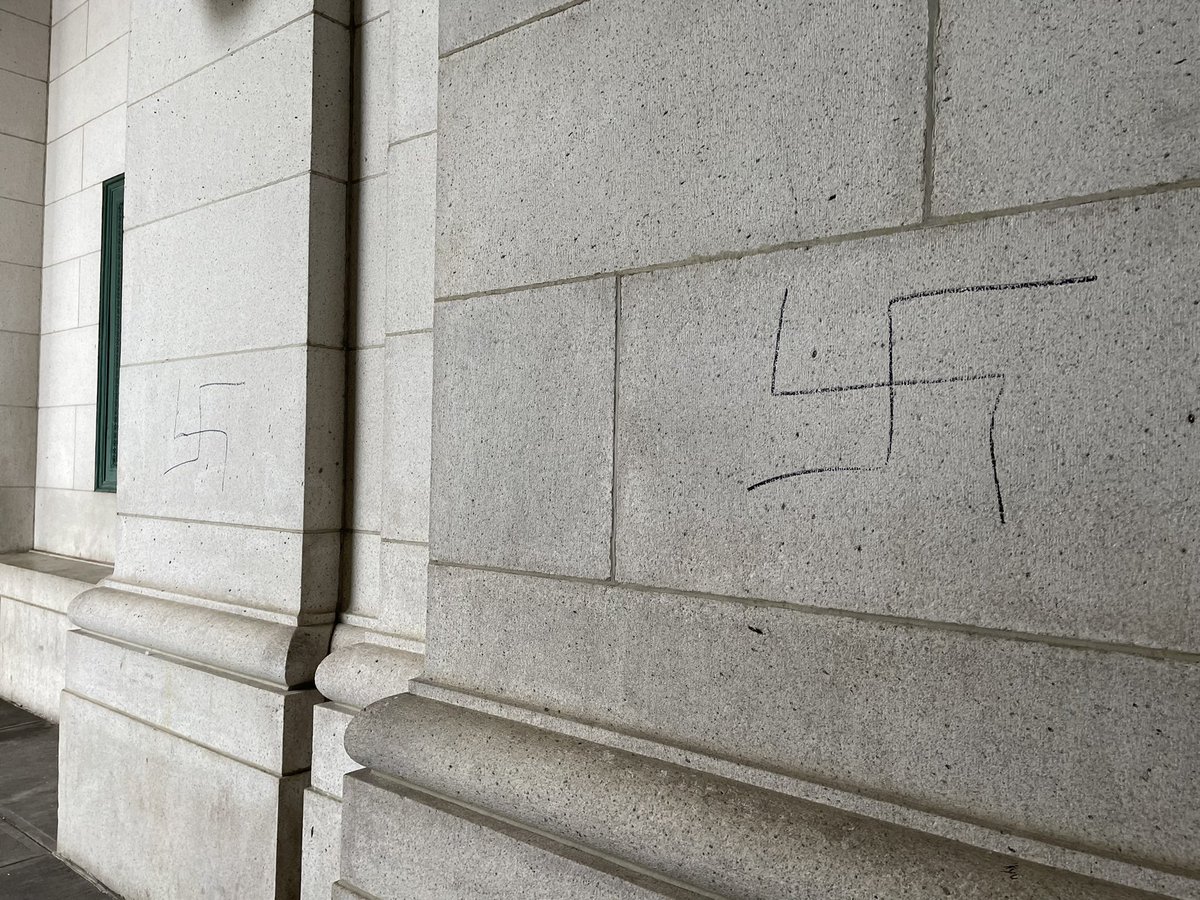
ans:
(1079, 747)
(28, 804)
(716, 835)
(1036, 466)
(635, 132)
(322, 845)
(402, 843)
(414, 68)
(463, 22)
(1038, 100)
(407, 416)
(522, 429)
(412, 179)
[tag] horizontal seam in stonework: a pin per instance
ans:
(183, 737)
(354, 182)
(81, 126)
(374, 18)
(239, 49)
(40, 205)
(553, 11)
(388, 540)
(412, 137)
(360, 531)
(17, 15)
(300, 531)
(172, 359)
(65, 331)
(88, 54)
(881, 798)
(258, 187)
(868, 234)
(316, 790)
(358, 348)
(563, 839)
(42, 607)
(1181, 656)
(271, 615)
(22, 74)
(21, 137)
(408, 333)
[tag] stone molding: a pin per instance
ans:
(689, 827)
(361, 674)
(281, 654)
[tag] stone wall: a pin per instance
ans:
(815, 405)
(85, 145)
(24, 54)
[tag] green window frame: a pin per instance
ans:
(108, 364)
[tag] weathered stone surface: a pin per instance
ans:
(31, 666)
(68, 41)
(322, 845)
(189, 280)
(16, 518)
(405, 440)
(19, 425)
(522, 429)
(414, 60)
(1039, 469)
(24, 45)
(403, 594)
(55, 427)
(89, 89)
(329, 759)
(373, 99)
(21, 285)
(634, 132)
(401, 843)
(186, 141)
(60, 296)
(360, 674)
(80, 524)
(370, 239)
(270, 651)
(18, 369)
(1038, 100)
(103, 147)
(174, 40)
(360, 574)
(66, 368)
(64, 166)
(234, 438)
(367, 412)
(72, 227)
(722, 837)
(412, 179)
(464, 22)
(281, 571)
(1081, 747)
(21, 169)
(265, 726)
(37, 10)
(24, 111)
(20, 229)
(51, 582)
(106, 20)
(156, 785)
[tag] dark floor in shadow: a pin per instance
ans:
(29, 869)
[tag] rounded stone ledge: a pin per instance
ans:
(284, 655)
(710, 833)
(360, 674)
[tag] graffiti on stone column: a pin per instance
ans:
(896, 379)
(211, 440)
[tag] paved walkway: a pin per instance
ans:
(29, 813)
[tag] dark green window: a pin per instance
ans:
(109, 363)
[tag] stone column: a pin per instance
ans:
(815, 479)
(186, 720)
(24, 58)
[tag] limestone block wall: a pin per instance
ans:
(85, 145)
(24, 54)
(815, 400)
(379, 637)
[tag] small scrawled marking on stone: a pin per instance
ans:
(199, 432)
